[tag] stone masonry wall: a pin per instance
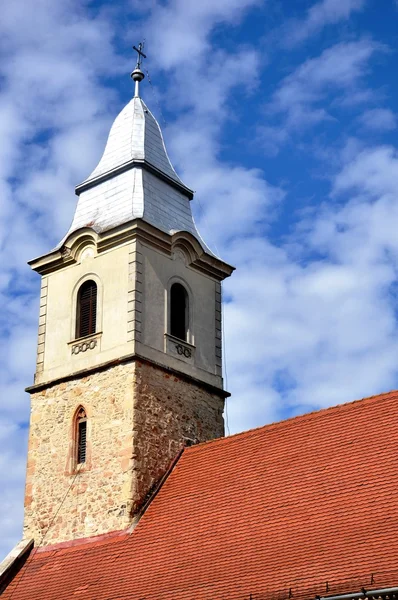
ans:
(168, 411)
(99, 498)
(138, 417)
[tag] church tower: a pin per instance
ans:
(129, 346)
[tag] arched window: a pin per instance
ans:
(86, 317)
(81, 436)
(179, 311)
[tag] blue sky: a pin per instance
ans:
(283, 117)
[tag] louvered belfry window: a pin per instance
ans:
(81, 423)
(179, 315)
(86, 309)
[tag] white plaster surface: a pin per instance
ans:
(133, 281)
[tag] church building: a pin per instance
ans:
(132, 490)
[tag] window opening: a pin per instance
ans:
(179, 311)
(81, 436)
(86, 321)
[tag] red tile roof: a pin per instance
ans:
(303, 507)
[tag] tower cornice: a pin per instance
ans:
(196, 257)
(129, 358)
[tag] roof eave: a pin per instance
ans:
(14, 561)
(131, 164)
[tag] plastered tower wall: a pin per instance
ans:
(139, 416)
(133, 279)
(59, 353)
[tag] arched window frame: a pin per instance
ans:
(190, 308)
(75, 296)
(80, 441)
(86, 309)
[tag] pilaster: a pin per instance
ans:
(135, 289)
(42, 325)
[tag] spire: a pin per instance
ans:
(137, 75)
(135, 179)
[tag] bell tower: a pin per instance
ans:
(129, 347)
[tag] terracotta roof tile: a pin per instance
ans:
(303, 507)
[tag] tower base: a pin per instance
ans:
(139, 415)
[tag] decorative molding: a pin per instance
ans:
(87, 252)
(136, 230)
(178, 348)
(66, 252)
(179, 254)
(182, 350)
(83, 344)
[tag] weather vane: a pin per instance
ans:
(137, 75)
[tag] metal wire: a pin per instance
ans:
(155, 98)
(225, 364)
(224, 353)
(25, 568)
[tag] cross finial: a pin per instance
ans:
(140, 53)
(137, 75)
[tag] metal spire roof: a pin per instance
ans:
(135, 178)
(135, 135)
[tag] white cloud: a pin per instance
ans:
(321, 14)
(338, 68)
(179, 32)
(321, 331)
(246, 201)
(307, 96)
(378, 119)
(200, 90)
(374, 172)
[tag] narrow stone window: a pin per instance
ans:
(179, 312)
(81, 436)
(86, 318)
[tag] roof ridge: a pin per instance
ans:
(290, 420)
(146, 108)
